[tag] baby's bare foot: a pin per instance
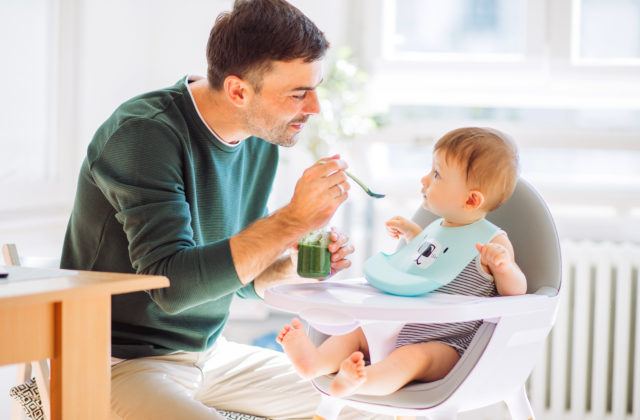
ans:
(300, 349)
(350, 376)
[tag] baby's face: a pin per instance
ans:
(444, 189)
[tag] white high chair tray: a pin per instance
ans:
(346, 302)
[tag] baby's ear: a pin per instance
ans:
(475, 200)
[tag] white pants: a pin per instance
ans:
(230, 376)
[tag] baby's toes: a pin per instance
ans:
(297, 324)
(283, 333)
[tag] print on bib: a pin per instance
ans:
(428, 253)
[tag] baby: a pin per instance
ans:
(474, 171)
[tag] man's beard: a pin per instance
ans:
(259, 126)
(278, 135)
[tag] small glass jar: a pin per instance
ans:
(314, 258)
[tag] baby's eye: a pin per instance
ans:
(436, 175)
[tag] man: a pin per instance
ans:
(175, 183)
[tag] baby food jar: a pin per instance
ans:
(314, 258)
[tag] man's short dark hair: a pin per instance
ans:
(244, 41)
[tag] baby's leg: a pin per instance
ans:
(425, 362)
(311, 361)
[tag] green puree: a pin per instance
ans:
(314, 261)
(314, 258)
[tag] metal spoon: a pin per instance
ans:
(364, 187)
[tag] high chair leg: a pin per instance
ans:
(328, 409)
(519, 406)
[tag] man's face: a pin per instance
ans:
(286, 100)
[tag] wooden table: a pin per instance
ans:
(66, 316)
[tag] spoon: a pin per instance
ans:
(362, 185)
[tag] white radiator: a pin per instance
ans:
(589, 369)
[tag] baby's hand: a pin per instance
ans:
(495, 256)
(393, 227)
(399, 226)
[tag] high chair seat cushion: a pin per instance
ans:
(425, 395)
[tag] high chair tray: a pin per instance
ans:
(344, 302)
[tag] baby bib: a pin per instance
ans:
(432, 259)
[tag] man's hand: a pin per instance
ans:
(283, 271)
(318, 194)
(339, 248)
(400, 227)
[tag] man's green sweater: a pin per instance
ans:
(159, 193)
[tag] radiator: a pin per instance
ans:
(589, 369)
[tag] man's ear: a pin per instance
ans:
(475, 200)
(237, 90)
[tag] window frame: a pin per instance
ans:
(576, 59)
(548, 75)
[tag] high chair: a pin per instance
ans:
(37, 368)
(503, 352)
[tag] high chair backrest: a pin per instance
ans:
(530, 227)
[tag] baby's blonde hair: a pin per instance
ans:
(489, 158)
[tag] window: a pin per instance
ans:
(490, 28)
(607, 31)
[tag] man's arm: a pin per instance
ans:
(282, 271)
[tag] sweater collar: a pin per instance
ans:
(215, 138)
